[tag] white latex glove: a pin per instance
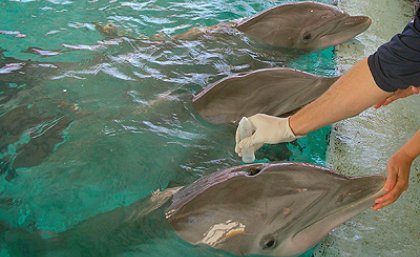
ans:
(267, 130)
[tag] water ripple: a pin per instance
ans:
(11, 67)
(137, 6)
(173, 133)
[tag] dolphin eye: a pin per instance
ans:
(307, 36)
(269, 243)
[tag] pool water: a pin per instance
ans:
(90, 122)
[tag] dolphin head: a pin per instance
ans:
(332, 28)
(279, 209)
(305, 26)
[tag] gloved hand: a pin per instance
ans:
(267, 130)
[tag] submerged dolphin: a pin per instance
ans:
(303, 25)
(278, 209)
(273, 91)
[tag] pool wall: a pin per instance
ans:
(362, 145)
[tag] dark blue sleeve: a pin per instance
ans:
(396, 64)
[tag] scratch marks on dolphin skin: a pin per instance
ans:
(218, 233)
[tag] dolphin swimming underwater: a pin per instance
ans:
(303, 25)
(273, 91)
(276, 209)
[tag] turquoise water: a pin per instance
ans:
(100, 121)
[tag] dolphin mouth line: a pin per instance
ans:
(335, 29)
(347, 20)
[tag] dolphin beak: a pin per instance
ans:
(356, 24)
(347, 28)
(364, 189)
(357, 195)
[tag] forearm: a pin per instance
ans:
(354, 92)
(412, 147)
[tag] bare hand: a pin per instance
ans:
(400, 93)
(397, 180)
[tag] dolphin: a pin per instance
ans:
(41, 124)
(277, 209)
(273, 91)
(304, 25)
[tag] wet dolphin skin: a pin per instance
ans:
(277, 209)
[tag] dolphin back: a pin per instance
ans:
(273, 91)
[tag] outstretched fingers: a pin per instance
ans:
(390, 197)
(395, 185)
(400, 93)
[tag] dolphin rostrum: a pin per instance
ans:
(277, 209)
(273, 91)
(302, 25)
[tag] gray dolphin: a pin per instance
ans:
(278, 209)
(273, 91)
(303, 25)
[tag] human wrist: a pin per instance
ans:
(294, 126)
(412, 148)
(405, 154)
(284, 131)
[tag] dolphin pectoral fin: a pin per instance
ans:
(273, 91)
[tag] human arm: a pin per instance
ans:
(399, 171)
(379, 79)
(354, 92)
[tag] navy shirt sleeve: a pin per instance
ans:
(396, 64)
